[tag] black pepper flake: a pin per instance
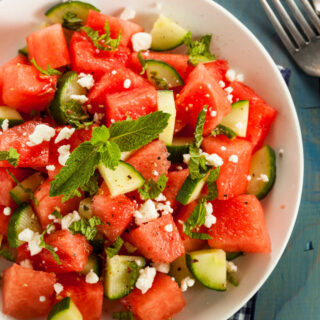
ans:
(179, 269)
(85, 208)
(246, 202)
(129, 177)
(225, 195)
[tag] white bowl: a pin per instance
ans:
(234, 42)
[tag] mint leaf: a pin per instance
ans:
(100, 135)
(6, 254)
(75, 115)
(110, 155)
(199, 126)
(57, 214)
(212, 184)
(71, 21)
(114, 248)
(195, 221)
(24, 51)
(48, 246)
(49, 72)
(142, 62)
(103, 42)
(133, 134)
(12, 156)
(86, 227)
(199, 51)
(123, 315)
(92, 186)
(221, 129)
(152, 189)
(79, 168)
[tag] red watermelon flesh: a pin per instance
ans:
(151, 160)
(112, 82)
(133, 103)
(201, 89)
(232, 179)
(21, 292)
(48, 47)
(97, 21)
(26, 90)
(261, 115)
(183, 215)
(175, 182)
(177, 61)
(161, 302)
(4, 220)
(17, 137)
(87, 297)
(240, 225)
(218, 69)
(155, 243)
(73, 252)
(116, 213)
(46, 204)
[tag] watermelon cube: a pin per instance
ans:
(240, 225)
(202, 89)
(26, 90)
(97, 21)
(236, 156)
(133, 103)
(151, 160)
(87, 297)
(161, 302)
(218, 69)
(155, 242)
(26, 293)
(48, 47)
(17, 137)
(46, 204)
(116, 213)
(261, 115)
(73, 252)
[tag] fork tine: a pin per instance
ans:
(278, 27)
(289, 23)
(301, 19)
(311, 14)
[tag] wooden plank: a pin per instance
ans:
(293, 291)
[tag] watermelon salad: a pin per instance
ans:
(128, 171)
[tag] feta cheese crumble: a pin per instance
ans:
(145, 280)
(26, 263)
(228, 90)
(85, 80)
(231, 75)
(210, 219)
(51, 167)
(5, 125)
(7, 211)
(161, 267)
(41, 133)
(92, 277)
(67, 220)
(164, 208)
(187, 283)
(213, 113)
(213, 159)
(223, 148)
(33, 239)
(234, 158)
(168, 228)
(127, 14)
(64, 134)
(127, 83)
(222, 84)
(146, 213)
(186, 158)
(249, 177)
(42, 299)
(155, 173)
(64, 154)
(114, 72)
(81, 98)
(231, 267)
(230, 98)
(263, 177)
(97, 117)
(58, 288)
(160, 197)
(141, 41)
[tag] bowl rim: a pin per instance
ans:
(290, 103)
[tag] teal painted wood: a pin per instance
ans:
(293, 290)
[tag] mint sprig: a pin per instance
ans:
(152, 189)
(86, 227)
(212, 184)
(48, 247)
(75, 114)
(48, 72)
(112, 250)
(221, 129)
(71, 21)
(12, 156)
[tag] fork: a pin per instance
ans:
(304, 48)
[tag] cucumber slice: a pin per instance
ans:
(178, 148)
(191, 189)
(85, 208)
(232, 279)
(121, 275)
(125, 178)
(56, 13)
(67, 86)
(209, 267)
(22, 218)
(262, 172)
(12, 115)
(166, 104)
(237, 120)
(162, 75)
(179, 269)
(20, 195)
(65, 310)
(233, 255)
(166, 34)
(126, 155)
(93, 263)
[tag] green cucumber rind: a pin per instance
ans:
(60, 306)
(93, 263)
(12, 122)
(186, 191)
(176, 153)
(233, 255)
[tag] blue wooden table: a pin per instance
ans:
(293, 290)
